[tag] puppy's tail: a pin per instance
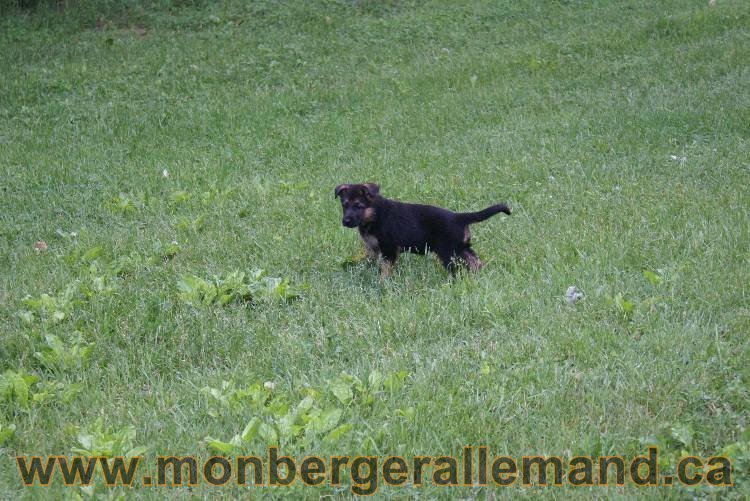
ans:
(475, 217)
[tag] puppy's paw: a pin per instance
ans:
(386, 269)
(352, 261)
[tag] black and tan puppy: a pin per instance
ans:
(388, 227)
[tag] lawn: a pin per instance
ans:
(164, 154)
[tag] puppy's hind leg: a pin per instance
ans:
(471, 259)
(447, 260)
(467, 254)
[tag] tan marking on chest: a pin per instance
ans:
(369, 215)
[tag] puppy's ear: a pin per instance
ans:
(372, 189)
(339, 190)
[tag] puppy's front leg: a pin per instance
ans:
(386, 269)
(389, 260)
(370, 242)
(371, 248)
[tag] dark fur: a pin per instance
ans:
(389, 227)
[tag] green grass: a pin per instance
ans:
(570, 111)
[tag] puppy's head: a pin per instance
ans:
(357, 203)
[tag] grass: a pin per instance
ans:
(618, 132)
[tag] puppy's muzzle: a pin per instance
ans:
(348, 222)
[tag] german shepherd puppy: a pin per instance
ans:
(388, 227)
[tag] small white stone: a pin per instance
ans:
(269, 385)
(165, 173)
(573, 294)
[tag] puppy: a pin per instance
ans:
(388, 227)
